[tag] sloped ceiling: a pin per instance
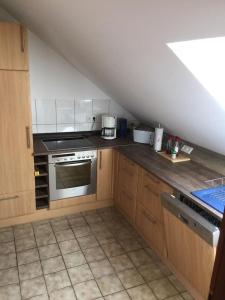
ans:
(121, 46)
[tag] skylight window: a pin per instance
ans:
(205, 58)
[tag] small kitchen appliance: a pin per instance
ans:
(108, 127)
(122, 127)
(143, 135)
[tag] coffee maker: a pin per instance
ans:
(108, 127)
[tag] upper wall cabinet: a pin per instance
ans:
(13, 47)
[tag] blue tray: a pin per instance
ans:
(214, 197)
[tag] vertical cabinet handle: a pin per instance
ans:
(22, 38)
(100, 160)
(28, 136)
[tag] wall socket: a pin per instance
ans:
(187, 149)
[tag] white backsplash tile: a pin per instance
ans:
(85, 127)
(100, 107)
(65, 127)
(46, 111)
(46, 128)
(83, 111)
(65, 110)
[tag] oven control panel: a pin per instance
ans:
(72, 156)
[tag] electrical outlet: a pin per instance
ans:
(187, 149)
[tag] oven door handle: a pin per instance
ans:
(66, 165)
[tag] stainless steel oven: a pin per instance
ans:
(72, 174)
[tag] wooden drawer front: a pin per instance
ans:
(128, 176)
(127, 204)
(151, 229)
(17, 204)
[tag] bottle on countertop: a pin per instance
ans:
(169, 144)
(177, 145)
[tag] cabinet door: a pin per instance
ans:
(105, 175)
(13, 47)
(151, 230)
(127, 204)
(17, 204)
(189, 254)
(149, 194)
(16, 164)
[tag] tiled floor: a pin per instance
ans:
(95, 255)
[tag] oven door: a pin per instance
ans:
(71, 179)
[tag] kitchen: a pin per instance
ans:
(94, 204)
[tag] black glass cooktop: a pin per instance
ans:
(67, 143)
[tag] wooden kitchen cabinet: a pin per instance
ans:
(127, 183)
(16, 164)
(149, 215)
(17, 204)
(13, 47)
(189, 254)
(151, 229)
(105, 174)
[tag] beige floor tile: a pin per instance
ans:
(25, 244)
(165, 270)
(8, 261)
(109, 284)
(82, 231)
(177, 297)
(80, 274)
(130, 245)
(163, 288)
(40, 297)
(150, 272)
(74, 259)
(141, 292)
(43, 229)
(64, 235)
(118, 296)
(178, 285)
(101, 268)
(6, 236)
(87, 242)
(45, 239)
(121, 262)
(57, 281)
(130, 278)
(49, 251)
(53, 264)
(10, 292)
(9, 228)
(63, 294)
(69, 246)
(140, 257)
(77, 222)
(96, 228)
(9, 276)
(6, 248)
(93, 219)
(21, 233)
(27, 256)
(30, 271)
(33, 287)
(125, 234)
(93, 254)
(113, 249)
(187, 296)
(87, 290)
(60, 225)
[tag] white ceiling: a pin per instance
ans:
(121, 46)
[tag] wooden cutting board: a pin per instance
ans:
(180, 158)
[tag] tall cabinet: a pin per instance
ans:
(16, 151)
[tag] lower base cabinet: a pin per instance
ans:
(151, 230)
(189, 254)
(18, 204)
